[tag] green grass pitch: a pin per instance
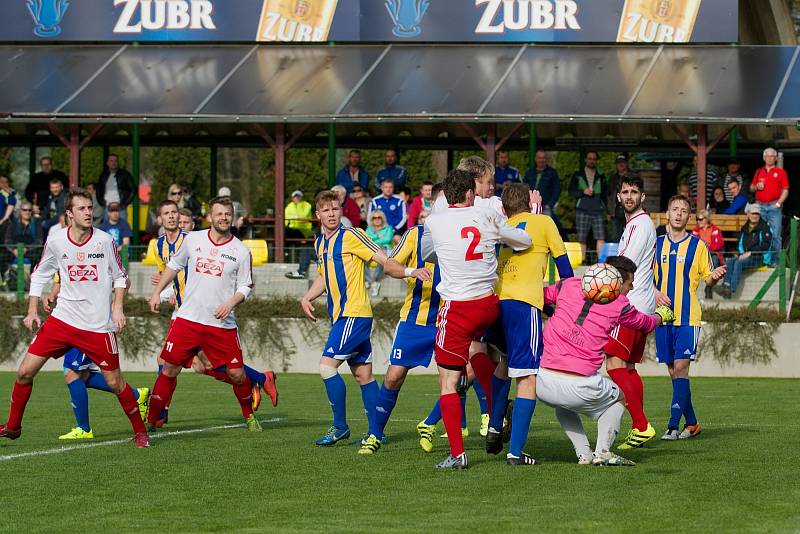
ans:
(740, 475)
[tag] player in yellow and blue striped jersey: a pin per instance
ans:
(681, 261)
(343, 254)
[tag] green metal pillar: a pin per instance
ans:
(733, 147)
(332, 167)
(782, 282)
(20, 272)
(136, 157)
(792, 249)
(213, 173)
(532, 148)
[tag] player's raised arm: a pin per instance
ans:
(632, 318)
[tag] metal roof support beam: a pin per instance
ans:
(502, 79)
(474, 135)
(75, 144)
(360, 82)
(701, 149)
(785, 81)
(645, 76)
(92, 78)
(224, 80)
(509, 135)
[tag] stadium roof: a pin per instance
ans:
(400, 83)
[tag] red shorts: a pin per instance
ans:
(626, 343)
(56, 337)
(186, 338)
(460, 323)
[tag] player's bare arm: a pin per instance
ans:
(117, 310)
(166, 278)
(516, 238)
(394, 269)
(224, 309)
(307, 302)
(715, 276)
(32, 319)
(48, 301)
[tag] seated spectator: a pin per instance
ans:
(712, 236)
(8, 201)
(119, 228)
(685, 190)
(190, 202)
(754, 250)
(719, 202)
(422, 202)
(392, 207)
(739, 199)
(588, 187)
(382, 234)
(351, 214)
(24, 229)
(362, 198)
(735, 173)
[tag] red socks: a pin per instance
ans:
(222, 376)
(484, 370)
(162, 395)
(244, 394)
(451, 416)
(128, 402)
(19, 398)
(631, 385)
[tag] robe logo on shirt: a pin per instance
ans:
(82, 273)
(210, 267)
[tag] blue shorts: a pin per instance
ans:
(75, 360)
(518, 334)
(676, 343)
(349, 340)
(413, 345)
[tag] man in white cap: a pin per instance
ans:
(298, 215)
(238, 210)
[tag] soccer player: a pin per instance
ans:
(682, 260)
(343, 254)
(84, 317)
(626, 345)
(463, 238)
(518, 333)
(574, 340)
(220, 278)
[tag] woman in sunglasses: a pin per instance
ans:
(381, 234)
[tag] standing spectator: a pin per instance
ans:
(26, 230)
(504, 174)
(297, 215)
(422, 203)
(38, 187)
(588, 186)
(718, 202)
(754, 249)
(54, 208)
(685, 190)
(382, 234)
(239, 212)
(545, 179)
(115, 185)
(734, 174)
(351, 214)
(771, 187)
(739, 199)
(393, 207)
(712, 236)
(353, 173)
(190, 201)
(175, 194)
(711, 179)
(362, 198)
(115, 225)
(8, 199)
(613, 205)
(396, 173)
(97, 209)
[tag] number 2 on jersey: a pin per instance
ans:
(471, 232)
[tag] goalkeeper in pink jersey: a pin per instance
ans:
(569, 378)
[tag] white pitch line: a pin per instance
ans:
(47, 452)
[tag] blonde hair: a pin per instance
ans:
(705, 214)
(380, 214)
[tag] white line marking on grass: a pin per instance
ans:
(92, 445)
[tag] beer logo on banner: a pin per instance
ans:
(407, 16)
(47, 14)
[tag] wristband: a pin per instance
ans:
(408, 272)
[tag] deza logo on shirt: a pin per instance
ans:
(82, 273)
(209, 266)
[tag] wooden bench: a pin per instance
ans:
(730, 225)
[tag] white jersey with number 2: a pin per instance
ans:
(638, 243)
(464, 241)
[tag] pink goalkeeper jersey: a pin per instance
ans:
(574, 337)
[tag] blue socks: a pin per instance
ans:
(500, 389)
(387, 399)
(80, 403)
(97, 381)
(481, 396)
(520, 424)
(675, 411)
(435, 416)
(369, 395)
(337, 397)
(682, 396)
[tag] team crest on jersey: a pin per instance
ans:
(214, 251)
(82, 273)
(81, 256)
(210, 267)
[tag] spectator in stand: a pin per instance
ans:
(711, 180)
(353, 173)
(97, 209)
(38, 188)
(351, 214)
(754, 250)
(8, 199)
(175, 194)
(190, 202)
(421, 203)
(771, 187)
(718, 202)
(504, 174)
(23, 229)
(735, 174)
(712, 236)
(544, 178)
(115, 225)
(185, 220)
(739, 201)
(61, 223)
(297, 217)
(239, 212)
(382, 234)
(396, 173)
(115, 185)
(589, 188)
(395, 209)
(613, 206)
(362, 198)
(54, 208)
(685, 190)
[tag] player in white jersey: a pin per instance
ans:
(464, 238)
(625, 346)
(84, 317)
(220, 277)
